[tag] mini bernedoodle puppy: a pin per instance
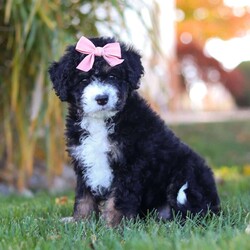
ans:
(127, 161)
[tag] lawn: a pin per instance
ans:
(222, 144)
(34, 223)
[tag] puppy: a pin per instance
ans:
(127, 161)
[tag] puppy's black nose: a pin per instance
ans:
(102, 99)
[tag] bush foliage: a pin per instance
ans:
(33, 34)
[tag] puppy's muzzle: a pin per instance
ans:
(102, 99)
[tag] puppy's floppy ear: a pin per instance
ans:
(135, 68)
(61, 72)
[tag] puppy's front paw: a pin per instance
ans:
(84, 208)
(110, 214)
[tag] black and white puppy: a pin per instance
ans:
(127, 161)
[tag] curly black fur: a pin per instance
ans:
(152, 164)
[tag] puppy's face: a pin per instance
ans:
(102, 91)
(100, 98)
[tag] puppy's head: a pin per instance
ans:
(103, 90)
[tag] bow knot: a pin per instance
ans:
(111, 52)
(98, 51)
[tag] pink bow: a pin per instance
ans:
(111, 52)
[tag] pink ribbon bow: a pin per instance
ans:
(111, 52)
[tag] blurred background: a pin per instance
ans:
(196, 56)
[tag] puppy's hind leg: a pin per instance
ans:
(164, 212)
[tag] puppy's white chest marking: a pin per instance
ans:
(93, 153)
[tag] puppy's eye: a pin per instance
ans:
(84, 81)
(112, 77)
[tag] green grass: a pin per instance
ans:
(222, 144)
(34, 223)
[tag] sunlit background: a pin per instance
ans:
(196, 56)
(203, 61)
